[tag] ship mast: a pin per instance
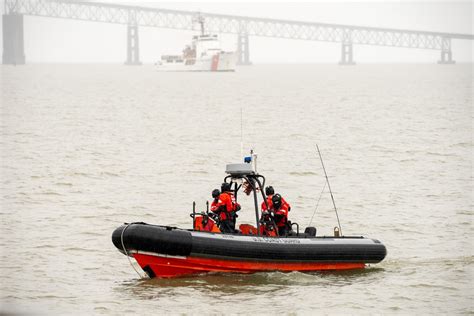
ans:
(200, 19)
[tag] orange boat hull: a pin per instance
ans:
(168, 266)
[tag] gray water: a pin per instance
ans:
(87, 147)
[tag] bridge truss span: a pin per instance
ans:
(243, 27)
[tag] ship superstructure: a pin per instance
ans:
(203, 54)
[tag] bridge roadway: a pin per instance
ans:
(243, 27)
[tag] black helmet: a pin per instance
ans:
(225, 187)
(215, 193)
(276, 200)
(269, 190)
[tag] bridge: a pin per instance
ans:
(244, 27)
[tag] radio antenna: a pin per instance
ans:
(241, 136)
(317, 204)
(330, 191)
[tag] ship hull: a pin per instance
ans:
(222, 62)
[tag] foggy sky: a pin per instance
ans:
(60, 40)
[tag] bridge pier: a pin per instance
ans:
(346, 48)
(446, 53)
(13, 43)
(346, 54)
(133, 48)
(243, 50)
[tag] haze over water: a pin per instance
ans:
(87, 147)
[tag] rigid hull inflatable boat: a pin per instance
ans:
(163, 251)
(167, 251)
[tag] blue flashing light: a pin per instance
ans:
(248, 159)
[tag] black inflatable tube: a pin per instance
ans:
(177, 242)
(151, 238)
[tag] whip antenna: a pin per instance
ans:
(317, 204)
(330, 191)
(241, 135)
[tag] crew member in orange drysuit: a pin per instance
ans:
(215, 202)
(226, 207)
(267, 225)
(270, 218)
(280, 210)
(269, 192)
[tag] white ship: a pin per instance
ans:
(204, 54)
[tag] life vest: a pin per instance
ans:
(205, 225)
(281, 215)
(225, 206)
(269, 203)
(248, 229)
(286, 204)
(235, 205)
(215, 205)
(218, 207)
